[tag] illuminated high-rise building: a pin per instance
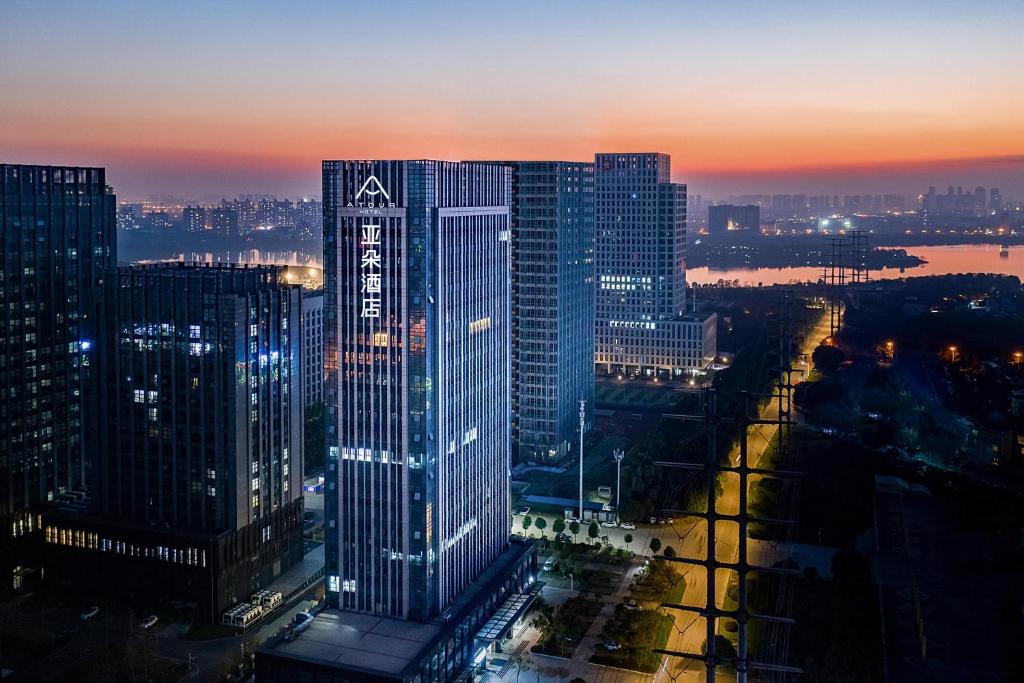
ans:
(417, 327)
(642, 323)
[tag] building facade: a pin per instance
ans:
(418, 301)
(726, 218)
(312, 347)
(57, 250)
(552, 306)
(641, 322)
(205, 417)
(418, 331)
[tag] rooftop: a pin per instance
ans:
(388, 646)
(360, 641)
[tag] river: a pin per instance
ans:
(941, 260)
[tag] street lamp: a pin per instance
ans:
(618, 455)
(952, 354)
(890, 350)
(1017, 355)
(583, 418)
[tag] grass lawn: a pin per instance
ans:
(598, 581)
(609, 394)
(598, 470)
(639, 633)
(572, 620)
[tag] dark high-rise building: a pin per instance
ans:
(57, 251)
(725, 218)
(312, 347)
(642, 324)
(198, 494)
(552, 305)
(417, 323)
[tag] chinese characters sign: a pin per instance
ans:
(370, 272)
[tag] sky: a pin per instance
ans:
(203, 99)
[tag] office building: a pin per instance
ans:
(726, 218)
(198, 494)
(552, 306)
(418, 337)
(57, 251)
(642, 325)
(312, 347)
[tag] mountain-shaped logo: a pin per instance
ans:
(372, 187)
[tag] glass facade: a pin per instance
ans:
(57, 248)
(552, 305)
(312, 348)
(417, 330)
(642, 327)
(206, 413)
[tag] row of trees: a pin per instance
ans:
(593, 532)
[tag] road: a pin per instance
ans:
(690, 627)
(689, 538)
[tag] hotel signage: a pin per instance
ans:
(371, 195)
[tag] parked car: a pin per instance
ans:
(300, 622)
(669, 520)
(89, 613)
(549, 564)
(564, 538)
(629, 525)
(611, 523)
(524, 510)
(612, 646)
(631, 605)
(149, 622)
(653, 520)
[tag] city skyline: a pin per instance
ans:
(235, 112)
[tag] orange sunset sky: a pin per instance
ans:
(218, 98)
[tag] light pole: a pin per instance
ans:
(618, 454)
(583, 417)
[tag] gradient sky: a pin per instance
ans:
(195, 98)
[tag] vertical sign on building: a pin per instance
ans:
(370, 270)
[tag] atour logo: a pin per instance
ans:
(372, 195)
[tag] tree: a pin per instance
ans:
(670, 552)
(593, 530)
(526, 522)
(558, 526)
(827, 358)
(540, 525)
(655, 545)
(574, 527)
(628, 539)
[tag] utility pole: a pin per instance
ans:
(583, 417)
(618, 454)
